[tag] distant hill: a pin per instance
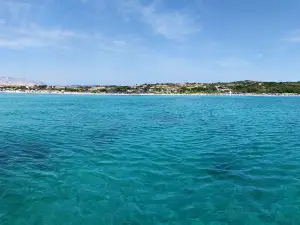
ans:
(13, 81)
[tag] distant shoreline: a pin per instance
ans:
(236, 88)
(148, 94)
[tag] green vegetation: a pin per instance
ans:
(238, 87)
(267, 87)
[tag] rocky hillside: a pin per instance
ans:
(13, 81)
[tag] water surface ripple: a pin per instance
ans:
(149, 160)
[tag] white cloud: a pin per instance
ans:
(7, 43)
(34, 36)
(175, 25)
(50, 34)
(232, 63)
(19, 43)
(17, 29)
(293, 36)
(110, 45)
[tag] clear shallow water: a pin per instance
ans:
(149, 160)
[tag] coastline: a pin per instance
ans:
(151, 94)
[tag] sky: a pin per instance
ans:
(148, 41)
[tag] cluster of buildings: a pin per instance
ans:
(158, 88)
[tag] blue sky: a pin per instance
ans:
(147, 41)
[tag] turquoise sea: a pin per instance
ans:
(145, 160)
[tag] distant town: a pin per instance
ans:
(238, 87)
